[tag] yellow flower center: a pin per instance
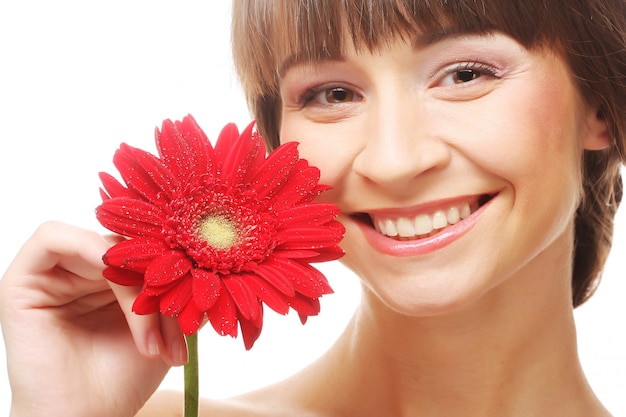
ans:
(218, 231)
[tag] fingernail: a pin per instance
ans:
(179, 351)
(154, 347)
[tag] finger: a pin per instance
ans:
(57, 265)
(58, 245)
(176, 347)
(146, 329)
(155, 335)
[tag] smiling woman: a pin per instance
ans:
(454, 153)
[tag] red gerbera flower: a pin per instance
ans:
(215, 232)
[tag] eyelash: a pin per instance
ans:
(306, 97)
(482, 69)
(478, 67)
(309, 94)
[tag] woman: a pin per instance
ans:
(475, 157)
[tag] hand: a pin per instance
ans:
(74, 347)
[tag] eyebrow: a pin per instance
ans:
(453, 32)
(293, 60)
(421, 40)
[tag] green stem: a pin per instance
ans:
(191, 377)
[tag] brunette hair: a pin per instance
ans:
(589, 34)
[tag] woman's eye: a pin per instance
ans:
(466, 73)
(328, 95)
(338, 95)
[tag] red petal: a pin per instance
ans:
(172, 302)
(134, 175)
(170, 267)
(275, 169)
(308, 214)
(305, 279)
(261, 152)
(319, 190)
(330, 253)
(157, 290)
(190, 319)
(134, 254)
(204, 155)
(251, 330)
(309, 237)
(206, 288)
(184, 148)
(226, 140)
(104, 196)
(300, 186)
(130, 217)
(319, 277)
(238, 152)
(275, 278)
(244, 297)
(114, 188)
(223, 315)
(296, 254)
(123, 277)
(305, 306)
(268, 294)
(145, 304)
(161, 176)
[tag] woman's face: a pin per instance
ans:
(455, 163)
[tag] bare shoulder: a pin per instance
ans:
(170, 404)
(264, 403)
(163, 404)
(308, 393)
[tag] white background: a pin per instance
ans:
(77, 78)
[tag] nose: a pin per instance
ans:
(400, 142)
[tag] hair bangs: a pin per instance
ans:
(322, 29)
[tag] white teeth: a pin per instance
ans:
(391, 227)
(453, 215)
(405, 227)
(422, 224)
(465, 211)
(439, 220)
(387, 227)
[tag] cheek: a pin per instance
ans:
(535, 148)
(325, 146)
(534, 138)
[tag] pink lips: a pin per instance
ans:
(393, 247)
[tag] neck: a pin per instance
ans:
(511, 353)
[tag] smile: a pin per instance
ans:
(425, 224)
(408, 232)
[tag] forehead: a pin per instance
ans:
(313, 30)
(416, 40)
